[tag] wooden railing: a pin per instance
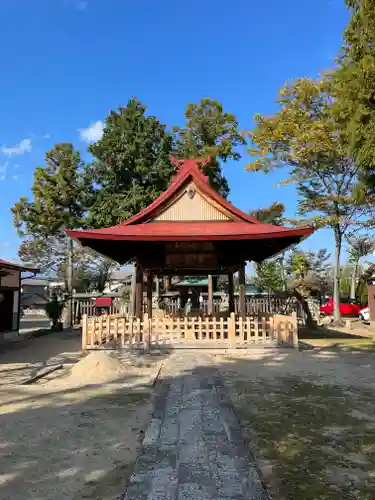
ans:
(270, 305)
(253, 306)
(117, 331)
(87, 307)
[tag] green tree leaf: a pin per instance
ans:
(131, 166)
(209, 131)
(303, 137)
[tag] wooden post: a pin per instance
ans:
(295, 330)
(232, 331)
(139, 291)
(133, 293)
(241, 303)
(69, 280)
(149, 293)
(210, 308)
(157, 286)
(146, 332)
(85, 322)
(371, 299)
(166, 283)
(231, 292)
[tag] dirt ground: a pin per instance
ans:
(60, 440)
(309, 417)
(353, 327)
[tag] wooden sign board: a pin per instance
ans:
(190, 254)
(190, 247)
(190, 260)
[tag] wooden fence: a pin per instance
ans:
(117, 331)
(253, 306)
(271, 305)
(87, 307)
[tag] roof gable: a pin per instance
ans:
(191, 205)
(189, 172)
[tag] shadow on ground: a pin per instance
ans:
(308, 418)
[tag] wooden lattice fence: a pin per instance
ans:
(117, 331)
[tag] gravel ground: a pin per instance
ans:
(309, 418)
(60, 440)
(193, 449)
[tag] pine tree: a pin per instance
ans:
(60, 193)
(353, 91)
(131, 167)
(209, 131)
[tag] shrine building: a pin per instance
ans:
(190, 230)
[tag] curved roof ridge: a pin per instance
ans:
(188, 168)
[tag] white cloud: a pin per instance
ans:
(16, 165)
(47, 136)
(15, 177)
(3, 170)
(92, 133)
(23, 147)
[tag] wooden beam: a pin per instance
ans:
(241, 289)
(139, 291)
(150, 281)
(133, 293)
(210, 310)
(231, 292)
(166, 283)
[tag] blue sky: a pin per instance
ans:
(66, 63)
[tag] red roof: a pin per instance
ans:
(103, 302)
(193, 231)
(140, 228)
(189, 169)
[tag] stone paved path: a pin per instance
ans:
(193, 448)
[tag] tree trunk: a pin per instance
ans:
(336, 276)
(353, 284)
(310, 323)
(69, 281)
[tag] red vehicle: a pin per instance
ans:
(346, 308)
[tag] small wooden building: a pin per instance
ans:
(10, 289)
(190, 230)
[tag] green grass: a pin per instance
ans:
(355, 344)
(326, 333)
(319, 446)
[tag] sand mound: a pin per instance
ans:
(97, 368)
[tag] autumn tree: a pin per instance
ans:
(209, 131)
(59, 195)
(308, 270)
(273, 214)
(302, 137)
